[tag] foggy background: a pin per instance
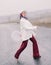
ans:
(36, 9)
(39, 13)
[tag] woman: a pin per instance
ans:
(27, 34)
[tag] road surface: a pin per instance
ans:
(8, 46)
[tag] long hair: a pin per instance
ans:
(21, 16)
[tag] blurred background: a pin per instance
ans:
(39, 14)
(38, 11)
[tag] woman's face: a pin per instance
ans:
(23, 13)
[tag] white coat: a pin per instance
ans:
(26, 29)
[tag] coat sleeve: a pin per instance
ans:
(27, 25)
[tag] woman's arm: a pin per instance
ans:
(27, 25)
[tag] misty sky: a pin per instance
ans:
(8, 7)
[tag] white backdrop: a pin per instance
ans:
(8, 7)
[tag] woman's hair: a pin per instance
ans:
(21, 16)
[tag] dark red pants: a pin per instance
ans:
(23, 46)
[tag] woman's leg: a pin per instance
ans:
(22, 47)
(35, 47)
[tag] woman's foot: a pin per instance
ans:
(16, 60)
(37, 57)
(16, 56)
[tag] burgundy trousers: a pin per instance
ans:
(23, 46)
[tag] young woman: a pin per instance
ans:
(27, 34)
